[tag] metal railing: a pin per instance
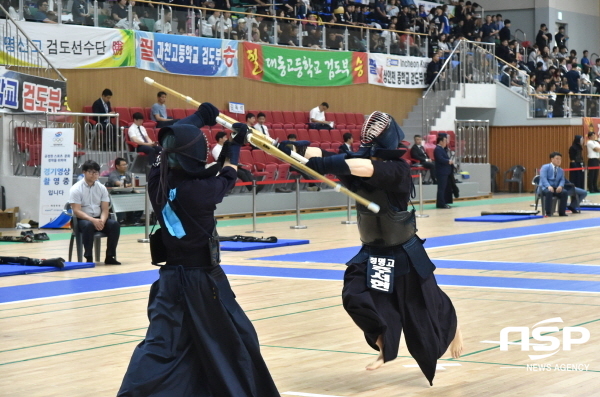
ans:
(558, 105)
(469, 62)
(19, 53)
(101, 142)
(472, 141)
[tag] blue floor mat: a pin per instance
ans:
(13, 270)
(498, 218)
(241, 246)
(582, 208)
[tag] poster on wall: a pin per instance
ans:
(26, 93)
(303, 67)
(68, 46)
(397, 72)
(195, 56)
(56, 172)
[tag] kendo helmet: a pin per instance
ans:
(186, 147)
(380, 137)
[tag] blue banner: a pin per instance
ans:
(196, 56)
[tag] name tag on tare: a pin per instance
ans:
(380, 273)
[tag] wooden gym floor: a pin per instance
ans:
(80, 344)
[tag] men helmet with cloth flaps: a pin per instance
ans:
(380, 137)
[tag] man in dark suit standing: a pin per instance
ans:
(346, 147)
(417, 152)
(552, 184)
(443, 172)
(102, 105)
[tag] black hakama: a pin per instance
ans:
(199, 342)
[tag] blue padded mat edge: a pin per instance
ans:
(242, 246)
(589, 208)
(498, 218)
(14, 270)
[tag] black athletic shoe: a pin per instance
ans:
(89, 259)
(111, 261)
(563, 215)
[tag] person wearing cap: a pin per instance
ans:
(389, 285)
(443, 172)
(241, 30)
(199, 341)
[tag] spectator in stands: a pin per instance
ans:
(593, 154)
(90, 202)
(102, 105)
(540, 101)
(242, 173)
(504, 33)
(158, 112)
(390, 39)
(346, 147)
(167, 28)
(317, 120)
(212, 20)
(119, 11)
(313, 39)
(585, 60)
(250, 119)
(595, 74)
(562, 52)
(441, 21)
(500, 23)
(558, 107)
(585, 84)
(433, 68)
(503, 52)
(289, 35)
(543, 38)
(443, 172)
(552, 184)
(561, 38)
(573, 77)
(418, 153)
(81, 14)
(43, 14)
(138, 134)
(119, 177)
(241, 30)
(260, 124)
(488, 31)
(334, 41)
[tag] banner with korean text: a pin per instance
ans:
(56, 173)
(70, 46)
(26, 93)
(397, 71)
(304, 67)
(194, 56)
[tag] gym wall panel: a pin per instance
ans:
(529, 147)
(85, 86)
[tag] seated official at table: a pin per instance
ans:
(90, 201)
(121, 178)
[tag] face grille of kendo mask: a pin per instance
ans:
(376, 123)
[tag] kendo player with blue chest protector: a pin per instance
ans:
(389, 285)
(199, 343)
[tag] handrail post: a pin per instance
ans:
(275, 36)
(146, 239)
(254, 208)
(298, 225)
(346, 37)
(324, 37)
(59, 11)
(300, 35)
(95, 13)
(421, 214)
(349, 220)
(130, 16)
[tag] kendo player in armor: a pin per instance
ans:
(389, 285)
(199, 342)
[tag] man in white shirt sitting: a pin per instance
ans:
(317, 119)
(138, 134)
(260, 125)
(158, 25)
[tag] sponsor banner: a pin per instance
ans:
(69, 46)
(590, 124)
(194, 56)
(25, 93)
(303, 67)
(56, 173)
(396, 71)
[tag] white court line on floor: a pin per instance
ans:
(294, 393)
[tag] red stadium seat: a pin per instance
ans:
(149, 124)
(124, 116)
(286, 133)
(169, 113)
(179, 114)
(303, 135)
(268, 116)
(325, 145)
(336, 136)
(277, 117)
(288, 117)
(431, 139)
(355, 146)
(137, 110)
(277, 125)
(325, 136)
(359, 118)
(189, 112)
(299, 117)
(350, 118)
(147, 113)
(356, 135)
(279, 133)
(283, 170)
(429, 149)
(261, 157)
(300, 126)
(314, 135)
(288, 126)
(152, 134)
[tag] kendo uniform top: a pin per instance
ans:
(416, 303)
(199, 342)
